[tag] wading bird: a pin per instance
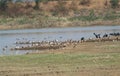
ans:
(97, 35)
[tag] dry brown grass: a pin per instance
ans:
(72, 9)
(94, 4)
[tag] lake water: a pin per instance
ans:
(9, 37)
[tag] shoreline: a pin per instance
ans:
(83, 60)
(62, 25)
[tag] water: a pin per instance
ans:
(9, 37)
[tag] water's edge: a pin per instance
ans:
(9, 37)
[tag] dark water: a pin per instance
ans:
(9, 37)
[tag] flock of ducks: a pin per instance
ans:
(55, 44)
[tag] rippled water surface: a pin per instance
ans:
(9, 37)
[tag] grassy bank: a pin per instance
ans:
(83, 60)
(61, 64)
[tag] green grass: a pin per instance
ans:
(61, 59)
(69, 64)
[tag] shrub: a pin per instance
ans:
(3, 4)
(37, 4)
(84, 2)
(114, 3)
(38, 1)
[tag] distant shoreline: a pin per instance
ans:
(62, 25)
